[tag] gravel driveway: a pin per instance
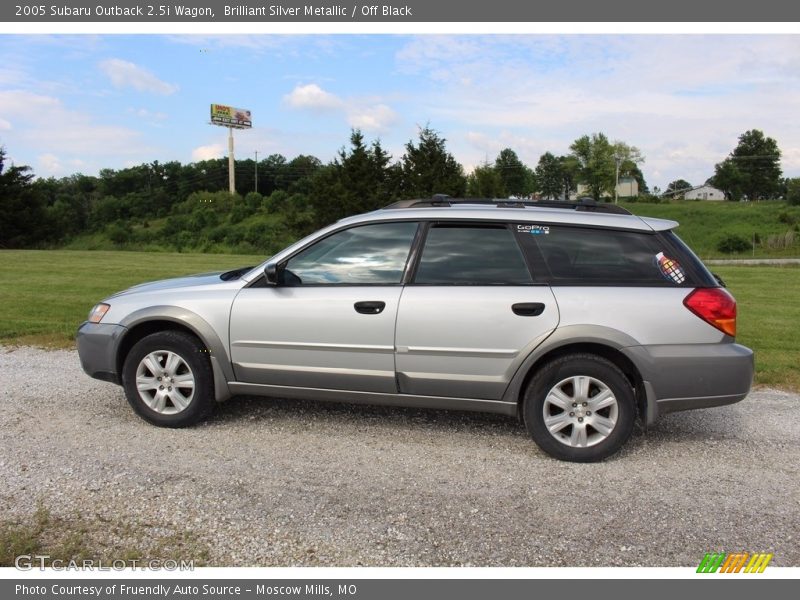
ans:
(283, 482)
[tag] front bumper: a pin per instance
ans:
(689, 376)
(97, 349)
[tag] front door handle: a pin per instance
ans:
(528, 309)
(370, 307)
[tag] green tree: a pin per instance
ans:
(23, 220)
(549, 176)
(485, 181)
(514, 175)
(597, 162)
(556, 176)
(428, 168)
(298, 173)
(678, 188)
(569, 169)
(757, 172)
(595, 157)
(357, 181)
(728, 178)
(793, 191)
(637, 174)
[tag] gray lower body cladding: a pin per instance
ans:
(676, 377)
(688, 376)
(97, 348)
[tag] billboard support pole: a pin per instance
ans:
(231, 164)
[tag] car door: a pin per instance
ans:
(471, 313)
(330, 321)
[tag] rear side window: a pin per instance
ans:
(586, 256)
(471, 255)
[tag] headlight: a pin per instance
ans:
(98, 312)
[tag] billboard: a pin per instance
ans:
(228, 116)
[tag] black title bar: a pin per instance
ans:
(411, 11)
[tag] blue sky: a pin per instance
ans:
(81, 103)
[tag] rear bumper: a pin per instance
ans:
(97, 349)
(689, 376)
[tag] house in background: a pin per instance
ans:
(700, 192)
(627, 187)
(704, 192)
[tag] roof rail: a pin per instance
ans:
(443, 200)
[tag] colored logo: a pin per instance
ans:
(534, 229)
(737, 562)
(670, 268)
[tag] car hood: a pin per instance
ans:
(201, 279)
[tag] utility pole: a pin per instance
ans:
(617, 162)
(256, 171)
(231, 163)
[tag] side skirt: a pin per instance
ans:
(408, 400)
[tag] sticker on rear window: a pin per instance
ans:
(670, 268)
(533, 229)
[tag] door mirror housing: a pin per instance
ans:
(271, 272)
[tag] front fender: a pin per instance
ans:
(220, 360)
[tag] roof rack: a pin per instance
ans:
(443, 200)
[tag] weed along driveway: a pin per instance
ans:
(282, 482)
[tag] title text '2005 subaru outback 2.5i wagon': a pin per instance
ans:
(578, 317)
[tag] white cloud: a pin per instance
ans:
(683, 100)
(312, 97)
(374, 119)
(124, 74)
(148, 115)
(50, 163)
(63, 138)
(208, 152)
(367, 114)
(5, 125)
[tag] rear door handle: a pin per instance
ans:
(528, 309)
(370, 307)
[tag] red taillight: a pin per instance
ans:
(715, 306)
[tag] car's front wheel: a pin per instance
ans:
(168, 379)
(580, 408)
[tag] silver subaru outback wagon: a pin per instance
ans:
(577, 317)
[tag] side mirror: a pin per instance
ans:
(271, 273)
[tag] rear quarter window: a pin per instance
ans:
(564, 255)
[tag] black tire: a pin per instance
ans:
(598, 370)
(196, 364)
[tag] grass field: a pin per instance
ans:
(45, 295)
(704, 224)
(768, 303)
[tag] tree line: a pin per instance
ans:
(186, 207)
(752, 171)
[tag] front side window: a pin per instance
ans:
(471, 255)
(370, 254)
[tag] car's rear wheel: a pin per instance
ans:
(580, 408)
(168, 379)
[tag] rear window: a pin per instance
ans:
(587, 256)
